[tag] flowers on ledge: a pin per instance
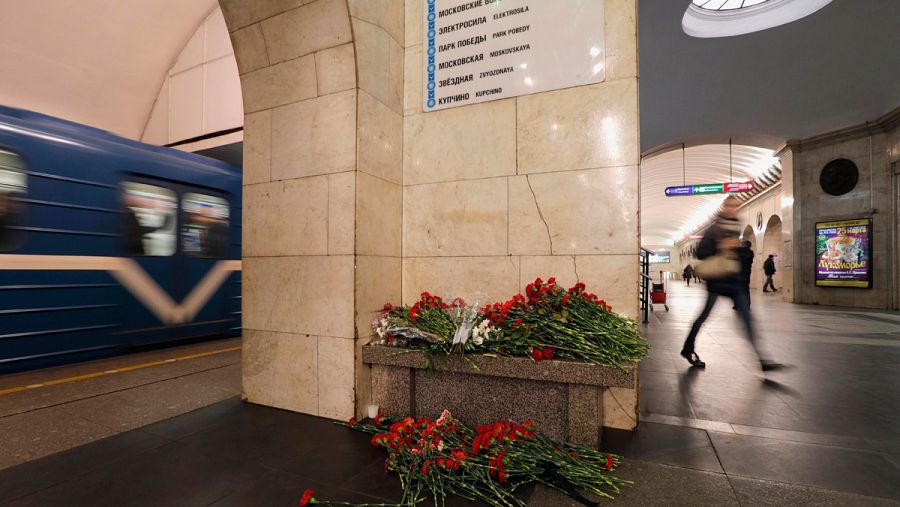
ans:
(545, 323)
(435, 459)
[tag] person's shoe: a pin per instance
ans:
(693, 358)
(767, 291)
(774, 290)
(771, 365)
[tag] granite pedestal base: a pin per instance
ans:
(563, 398)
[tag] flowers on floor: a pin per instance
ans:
(545, 323)
(435, 459)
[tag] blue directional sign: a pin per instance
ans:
(685, 190)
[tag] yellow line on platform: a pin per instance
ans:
(86, 376)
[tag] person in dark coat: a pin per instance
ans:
(745, 256)
(719, 238)
(769, 270)
(688, 274)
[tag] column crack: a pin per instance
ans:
(540, 213)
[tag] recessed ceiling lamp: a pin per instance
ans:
(724, 18)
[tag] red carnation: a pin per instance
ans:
(351, 422)
(609, 461)
(307, 498)
(548, 354)
(425, 467)
(537, 354)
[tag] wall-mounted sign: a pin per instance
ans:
(481, 50)
(710, 188)
(660, 257)
(843, 253)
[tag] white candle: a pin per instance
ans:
(372, 411)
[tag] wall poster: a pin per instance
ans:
(843, 253)
(660, 257)
(481, 50)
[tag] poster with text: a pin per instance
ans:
(481, 50)
(843, 253)
(660, 257)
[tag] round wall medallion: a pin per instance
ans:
(839, 176)
(759, 220)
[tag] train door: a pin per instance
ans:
(149, 229)
(204, 244)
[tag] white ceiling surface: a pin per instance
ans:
(98, 62)
(665, 220)
(835, 68)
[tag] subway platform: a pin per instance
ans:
(821, 433)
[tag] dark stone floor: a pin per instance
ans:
(238, 454)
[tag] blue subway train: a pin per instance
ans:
(108, 245)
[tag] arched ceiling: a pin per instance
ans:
(665, 220)
(98, 62)
(835, 68)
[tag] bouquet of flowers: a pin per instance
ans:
(436, 459)
(546, 322)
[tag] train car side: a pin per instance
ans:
(69, 288)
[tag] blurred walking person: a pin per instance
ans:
(745, 255)
(769, 269)
(721, 270)
(688, 274)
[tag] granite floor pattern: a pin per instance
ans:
(238, 454)
(41, 421)
(828, 422)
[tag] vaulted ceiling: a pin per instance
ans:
(835, 68)
(99, 62)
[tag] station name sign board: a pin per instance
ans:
(710, 188)
(481, 50)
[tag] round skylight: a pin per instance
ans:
(725, 18)
(725, 5)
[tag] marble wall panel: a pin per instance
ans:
(620, 25)
(529, 233)
(379, 209)
(486, 279)
(240, 13)
(280, 370)
(257, 147)
(464, 218)
(336, 69)
(579, 128)
(413, 22)
(302, 295)
(377, 283)
(336, 378)
(387, 14)
(316, 136)
(249, 49)
(613, 278)
(477, 141)
(279, 84)
(319, 25)
(412, 80)
(620, 408)
(341, 213)
(587, 212)
(380, 140)
(379, 63)
(286, 217)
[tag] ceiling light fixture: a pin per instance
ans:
(725, 18)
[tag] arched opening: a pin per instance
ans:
(755, 277)
(772, 245)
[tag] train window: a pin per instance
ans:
(149, 226)
(13, 187)
(205, 225)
